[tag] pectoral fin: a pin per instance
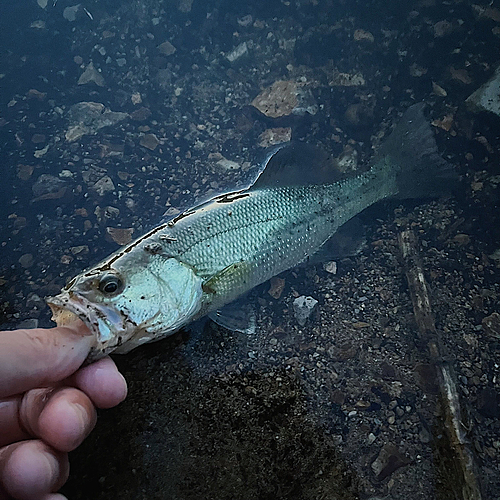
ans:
(236, 317)
(226, 279)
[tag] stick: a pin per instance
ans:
(454, 423)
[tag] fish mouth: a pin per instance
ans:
(107, 326)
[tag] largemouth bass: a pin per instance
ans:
(210, 255)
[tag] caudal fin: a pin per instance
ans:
(412, 149)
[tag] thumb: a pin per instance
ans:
(40, 357)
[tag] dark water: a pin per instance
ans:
(294, 412)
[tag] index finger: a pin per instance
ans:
(40, 357)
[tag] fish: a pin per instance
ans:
(207, 257)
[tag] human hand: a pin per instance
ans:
(47, 406)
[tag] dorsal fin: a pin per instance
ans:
(297, 164)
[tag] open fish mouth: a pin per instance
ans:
(107, 327)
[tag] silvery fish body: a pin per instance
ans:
(210, 255)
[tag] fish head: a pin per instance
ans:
(130, 301)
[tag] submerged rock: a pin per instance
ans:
(486, 97)
(88, 117)
(91, 75)
(240, 51)
(303, 307)
(284, 98)
(389, 460)
(48, 187)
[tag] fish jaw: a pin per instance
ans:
(109, 328)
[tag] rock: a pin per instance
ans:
(79, 250)
(36, 94)
(277, 287)
(348, 159)
(240, 51)
(487, 97)
(362, 35)
(438, 90)
(461, 239)
(26, 260)
(37, 138)
(185, 5)
(39, 24)
(303, 307)
(28, 324)
(136, 98)
(88, 117)
(273, 136)
(49, 187)
(330, 267)
(442, 28)
(283, 98)
(389, 460)
(41, 152)
(445, 123)
(122, 236)
(339, 79)
(462, 75)
(140, 114)
(34, 301)
(104, 185)
(69, 13)
(91, 75)
(149, 141)
(491, 325)
(245, 20)
(24, 171)
(166, 48)
(225, 164)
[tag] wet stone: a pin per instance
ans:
(48, 187)
(303, 307)
(277, 287)
(104, 185)
(91, 75)
(491, 325)
(122, 236)
(37, 138)
(487, 97)
(28, 324)
(284, 98)
(240, 51)
(89, 117)
(26, 260)
(141, 114)
(149, 141)
(166, 48)
(24, 171)
(389, 460)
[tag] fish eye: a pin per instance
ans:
(110, 284)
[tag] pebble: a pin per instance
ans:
(26, 260)
(104, 185)
(28, 324)
(91, 75)
(303, 307)
(238, 52)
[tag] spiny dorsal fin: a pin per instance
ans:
(297, 164)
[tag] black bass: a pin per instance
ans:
(210, 255)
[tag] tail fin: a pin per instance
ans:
(411, 147)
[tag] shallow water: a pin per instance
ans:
(291, 412)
